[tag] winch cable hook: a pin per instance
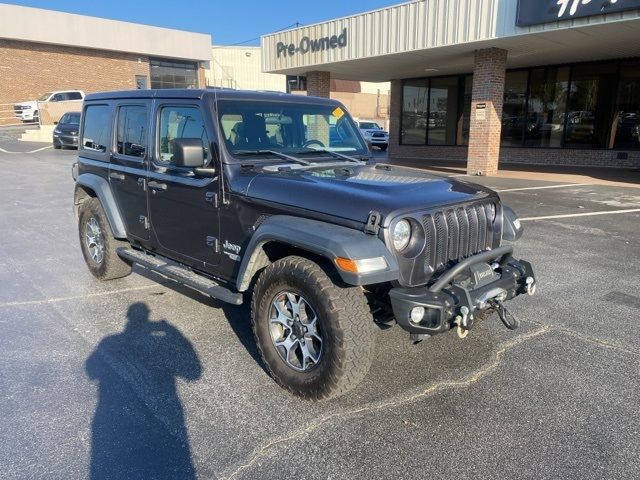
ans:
(509, 319)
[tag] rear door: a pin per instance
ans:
(183, 206)
(129, 165)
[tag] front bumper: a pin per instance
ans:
(462, 293)
(65, 140)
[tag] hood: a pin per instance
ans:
(352, 192)
(28, 103)
(372, 131)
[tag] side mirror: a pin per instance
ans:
(188, 152)
(55, 123)
(511, 226)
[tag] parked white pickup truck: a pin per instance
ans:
(374, 134)
(28, 111)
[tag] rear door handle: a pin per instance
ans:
(156, 185)
(117, 176)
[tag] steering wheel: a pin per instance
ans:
(308, 143)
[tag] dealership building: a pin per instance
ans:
(487, 82)
(43, 51)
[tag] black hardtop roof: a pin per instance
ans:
(219, 93)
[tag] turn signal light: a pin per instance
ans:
(366, 265)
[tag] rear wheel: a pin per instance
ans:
(98, 244)
(315, 337)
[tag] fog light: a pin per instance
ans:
(417, 314)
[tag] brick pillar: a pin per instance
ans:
(319, 84)
(486, 111)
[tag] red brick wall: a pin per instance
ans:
(30, 69)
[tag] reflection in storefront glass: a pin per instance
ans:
(443, 110)
(513, 110)
(547, 104)
(626, 130)
(590, 105)
(414, 112)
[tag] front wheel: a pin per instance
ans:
(315, 337)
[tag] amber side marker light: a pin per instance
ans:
(366, 265)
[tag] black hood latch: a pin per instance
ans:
(372, 226)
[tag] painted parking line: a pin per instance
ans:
(543, 188)
(586, 214)
(31, 151)
(79, 297)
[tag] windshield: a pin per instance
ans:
(44, 97)
(369, 126)
(290, 128)
(70, 119)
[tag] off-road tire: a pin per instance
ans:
(111, 266)
(345, 319)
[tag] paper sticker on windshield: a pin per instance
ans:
(338, 113)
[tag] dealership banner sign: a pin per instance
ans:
(535, 12)
(307, 44)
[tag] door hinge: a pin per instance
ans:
(373, 223)
(213, 242)
(144, 221)
(212, 198)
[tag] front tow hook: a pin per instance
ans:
(509, 319)
(464, 322)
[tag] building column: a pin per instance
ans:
(486, 111)
(319, 84)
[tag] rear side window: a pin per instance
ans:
(74, 96)
(95, 135)
(131, 137)
(180, 122)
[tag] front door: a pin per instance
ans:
(128, 166)
(183, 207)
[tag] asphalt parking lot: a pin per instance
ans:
(180, 394)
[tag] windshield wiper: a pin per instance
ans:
(275, 154)
(333, 154)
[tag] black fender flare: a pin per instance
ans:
(103, 192)
(324, 239)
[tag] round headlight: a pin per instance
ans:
(401, 235)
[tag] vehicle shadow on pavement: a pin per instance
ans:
(138, 429)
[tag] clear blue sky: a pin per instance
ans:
(228, 21)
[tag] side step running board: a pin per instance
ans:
(181, 275)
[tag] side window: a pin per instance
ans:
(180, 122)
(131, 136)
(58, 97)
(74, 96)
(96, 120)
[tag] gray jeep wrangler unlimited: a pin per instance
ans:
(275, 199)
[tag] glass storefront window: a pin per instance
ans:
(414, 112)
(173, 74)
(466, 110)
(514, 108)
(443, 111)
(590, 105)
(545, 120)
(626, 128)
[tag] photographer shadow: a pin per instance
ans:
(138, 429)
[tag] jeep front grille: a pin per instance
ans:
(456, 233)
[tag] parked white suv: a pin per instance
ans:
(28, 111)
(374, 134)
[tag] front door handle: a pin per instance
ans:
(117, 176)
(153, 185)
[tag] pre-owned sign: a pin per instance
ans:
(307, 44)
(534, 12)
